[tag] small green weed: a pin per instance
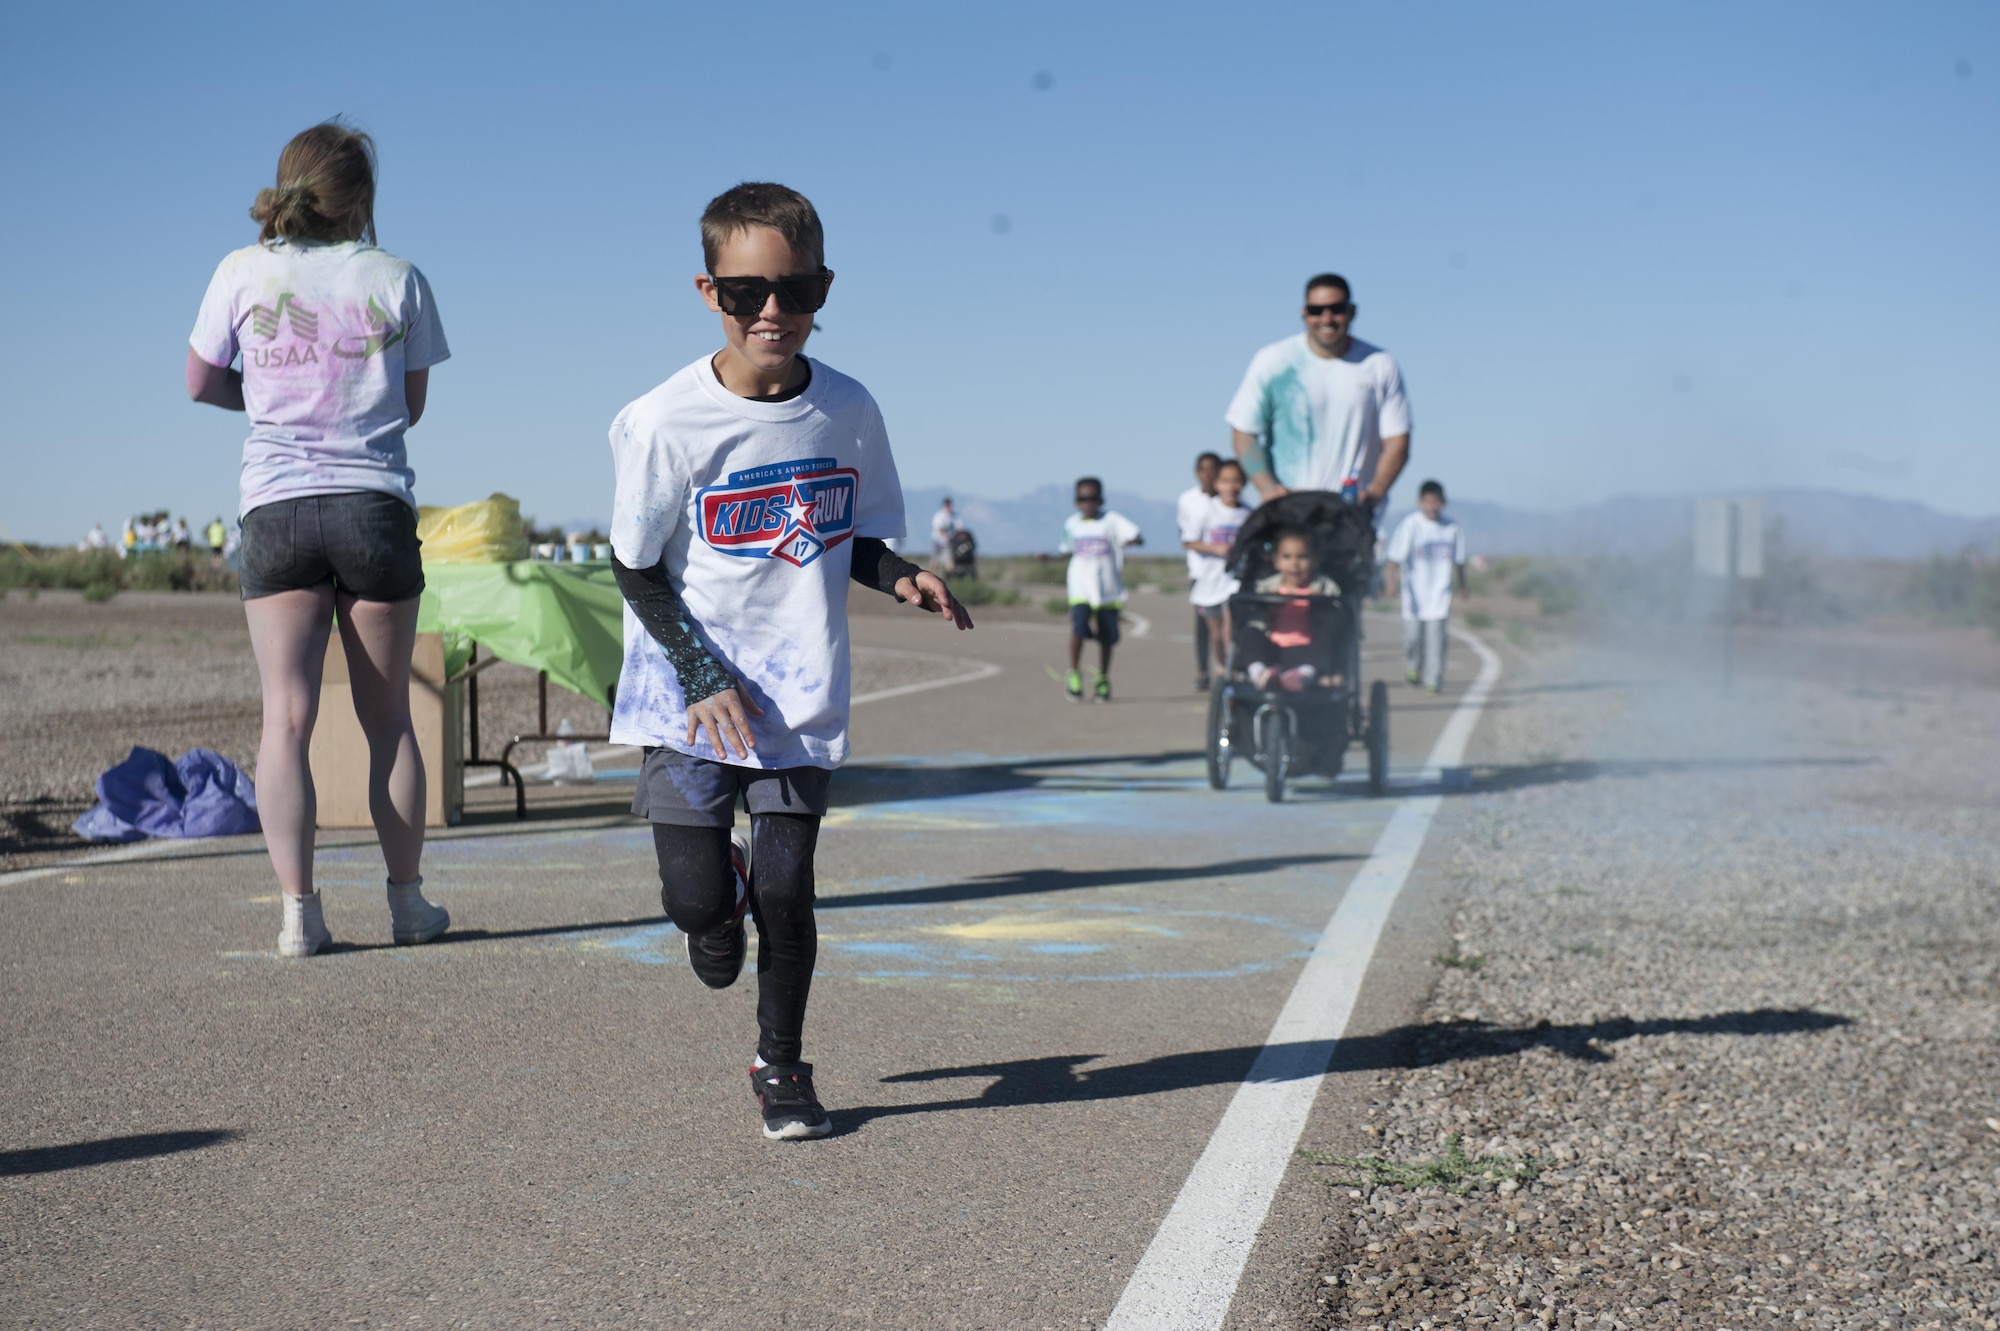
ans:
(1056, 605)
(1453, 1171)
(1583, 949)
(1517, 634)
(99, 592)
(1458, 960)
(974, 591)
(1568, 890)
(1478, 619)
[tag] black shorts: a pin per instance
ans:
(685, 791)
(1106, 630)
(364, 542)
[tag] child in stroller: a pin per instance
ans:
(1289, 698)
(1287, 656)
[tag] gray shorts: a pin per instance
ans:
(363, 542)
(685, 791)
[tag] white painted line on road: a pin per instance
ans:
(1189, 1274)
(141, 850)
(980, 670)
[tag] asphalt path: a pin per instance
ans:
(1049, 955)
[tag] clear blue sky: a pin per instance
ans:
(1617, 248)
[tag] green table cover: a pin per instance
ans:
(566, 619)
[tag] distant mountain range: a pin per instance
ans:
(1824, 522)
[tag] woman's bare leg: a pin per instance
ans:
(378, 637)
(288, 633)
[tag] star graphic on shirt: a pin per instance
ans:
(798, 513)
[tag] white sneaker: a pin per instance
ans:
(304, 931)
(411, 918)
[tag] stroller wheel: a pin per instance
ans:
(1221, 743)
(1378, 738)
(1277, 754)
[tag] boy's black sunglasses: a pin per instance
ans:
(798, 294)
(1337, 307)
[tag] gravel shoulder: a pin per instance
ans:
(1721, 987)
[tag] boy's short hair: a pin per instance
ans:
(760, 203)
(1431, 488)
(1329, 280)
(1284, 534)
(1229, 464)
(1216, 458)
(1092, 482)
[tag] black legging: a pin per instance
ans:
(699, 892)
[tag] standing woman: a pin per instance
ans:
(337, 339)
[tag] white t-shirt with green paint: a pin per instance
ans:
(326, 331)
(1322, 420)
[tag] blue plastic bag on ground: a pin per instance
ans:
(202, 794)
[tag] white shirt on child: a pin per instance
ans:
(1220, 523)
(326, 331)
(1190, 511)
(1428, 553)
(1096, 550)
(754, 506)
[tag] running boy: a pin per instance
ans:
(750, 487)
(1095, 542)
(1190, 514)
(1223, 514)
(1427, 552)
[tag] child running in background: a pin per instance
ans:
(1222, 515)
(1288, 660)
(1095, 542)
(1191, 515)
(1427, 552)
(751, 487)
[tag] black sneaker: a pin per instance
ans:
(716, 957)
(785, 1095)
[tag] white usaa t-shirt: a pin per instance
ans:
(326, 331)
(1427, 553)
(1220, 523)
(1322, 420)
(1190, 510)
(1096, 550)
(754, 506)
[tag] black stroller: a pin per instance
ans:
(1289, 730)
(963, 552)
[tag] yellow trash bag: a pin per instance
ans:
(487, 531)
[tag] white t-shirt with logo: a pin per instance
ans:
(1190, 511)
(1428, 553)
(754, 506)
(1096, 550)
(1322, 420)
(326, 331)
(1220, 523)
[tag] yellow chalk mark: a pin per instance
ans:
(1044, 928)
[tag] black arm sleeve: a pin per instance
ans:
(658, 606)
(876, 565)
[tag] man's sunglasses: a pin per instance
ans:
(1337, 307)
(747, 296)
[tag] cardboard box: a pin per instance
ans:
(339, 752)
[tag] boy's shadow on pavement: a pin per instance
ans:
(1061, 1078)
(1033, 882)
